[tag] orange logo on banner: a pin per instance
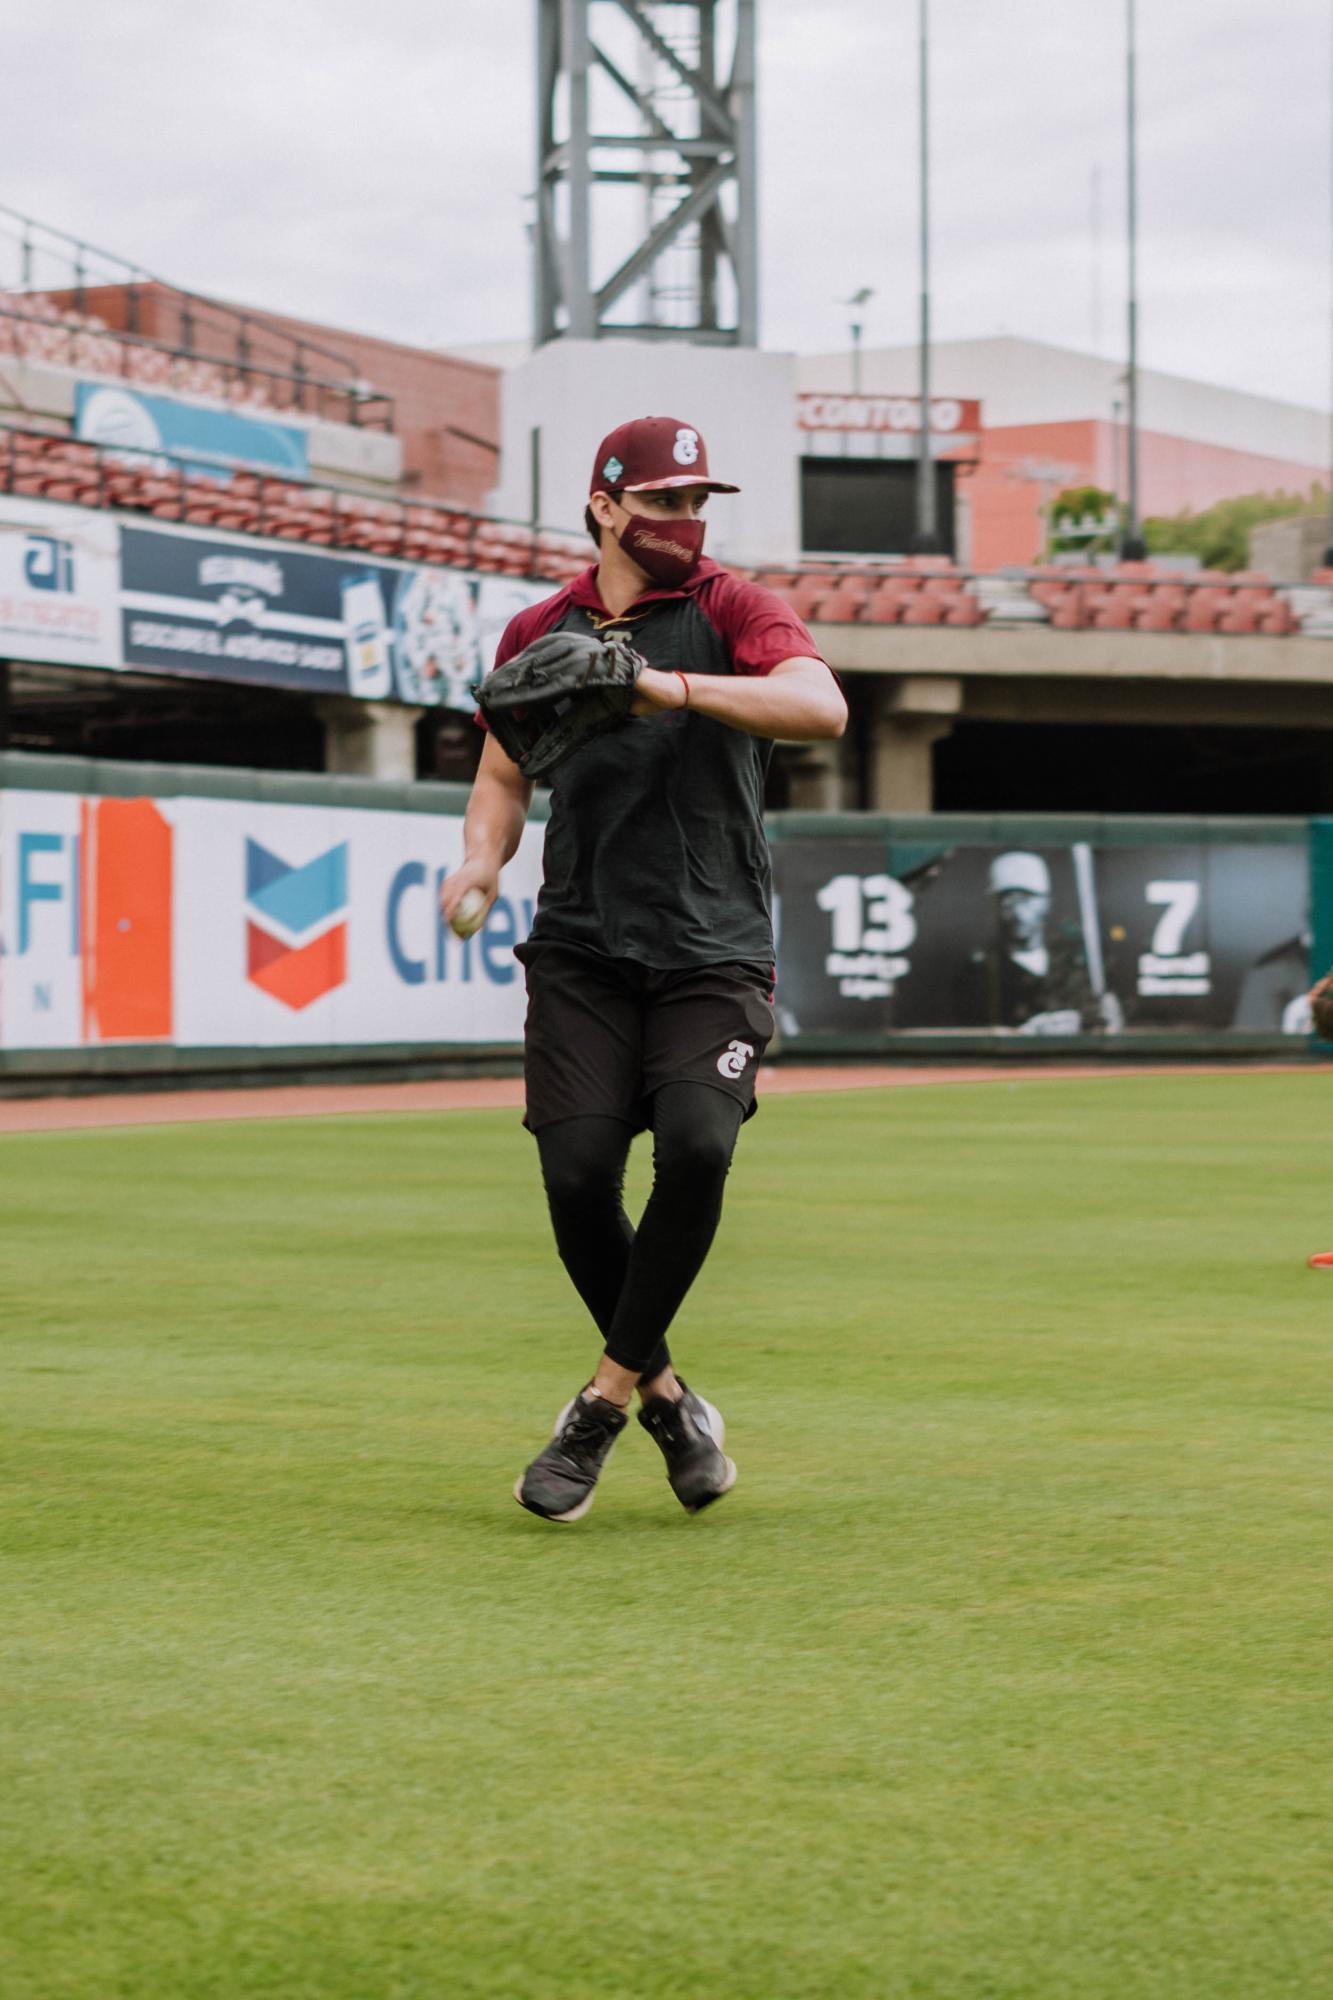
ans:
(125, 875)
(296, 977)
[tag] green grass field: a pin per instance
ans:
(1004, 1674)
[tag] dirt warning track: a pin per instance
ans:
(341, 1100)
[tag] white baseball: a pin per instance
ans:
(470, 914)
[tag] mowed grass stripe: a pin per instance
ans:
(1003, 1673)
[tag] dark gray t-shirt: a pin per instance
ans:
(655, 849)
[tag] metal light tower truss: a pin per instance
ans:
(632, 95)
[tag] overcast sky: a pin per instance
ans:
(368, 165)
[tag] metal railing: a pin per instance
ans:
(248, 345)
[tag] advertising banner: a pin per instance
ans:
(878, 937)
(213, 439)
(86, 891)
(334, 622)
(308, 925)
(229, 923)
(59, 583)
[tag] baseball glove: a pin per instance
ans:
(1321, 1007)
(556, 695)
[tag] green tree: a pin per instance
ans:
(1220, 535)
(1082, 520)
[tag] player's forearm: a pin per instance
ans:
(804, 705)
(493, 822)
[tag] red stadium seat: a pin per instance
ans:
(838, 610)
(925, 610)
(1205, 605)
(851, 593)
(1161, 608)
(806, 596)
(1278, 620)
(1071, 613)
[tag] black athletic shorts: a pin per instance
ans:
(603, 1034)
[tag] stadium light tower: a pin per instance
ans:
(1132, 547)
(926, 539)
(604, 124)
(1328, 552)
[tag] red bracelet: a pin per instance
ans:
(684, 683)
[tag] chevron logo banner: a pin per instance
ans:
(296, 928)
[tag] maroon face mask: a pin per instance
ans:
(666, 550)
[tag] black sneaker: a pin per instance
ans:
(691, 1435)
(561, 1481)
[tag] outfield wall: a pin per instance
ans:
(172, 922)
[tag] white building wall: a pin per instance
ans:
(742, 400)
(1027, 382)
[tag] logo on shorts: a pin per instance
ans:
(734, 1058)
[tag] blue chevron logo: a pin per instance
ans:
(296, 898)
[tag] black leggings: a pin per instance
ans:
(633, 1283)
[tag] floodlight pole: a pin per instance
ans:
(1132, 547)
(926, 539)
(1328, 552)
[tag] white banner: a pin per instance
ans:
(227, 923)
(59, 583)
(305, 925)
(41, 961)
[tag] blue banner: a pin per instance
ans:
(217, 441)
(242, 609)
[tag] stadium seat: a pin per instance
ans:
(1279, 619)
(1069, 613)
(1161, 608)
(925, 610)
(840, 607)
(374, 525)
(808, 594)
(1116, 608)
(1204, 608)
(851, 593)
(1242, 609)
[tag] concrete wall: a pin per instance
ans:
(1291, 551)
(743, 402)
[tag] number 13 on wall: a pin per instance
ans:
(869, 912)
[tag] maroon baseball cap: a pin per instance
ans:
(653, 452)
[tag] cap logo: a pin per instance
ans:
(686, 448)
(612, 469)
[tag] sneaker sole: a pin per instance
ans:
(558, 1520)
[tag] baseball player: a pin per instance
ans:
(650, 964)
(1023, 979)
